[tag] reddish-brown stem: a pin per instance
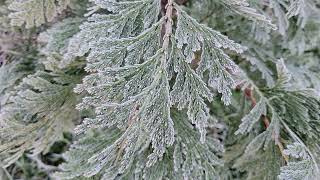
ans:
(249, 94)
(265, 121)
(197, 58)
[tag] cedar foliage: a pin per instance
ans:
(160, 89)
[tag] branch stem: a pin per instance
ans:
(168, 27)
(249, 94)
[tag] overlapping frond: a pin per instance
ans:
(302, 168)
(35, 12)
(129, 85)
(37, 115)
(188, 158)
(160, 75)
(293, 110)
(129, 19)
(261, 164)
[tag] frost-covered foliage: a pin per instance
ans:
(35, 12)
(301, 169)
(160, 89)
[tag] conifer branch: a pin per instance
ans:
(249, 94)
(156, 71)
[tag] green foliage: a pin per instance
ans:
(35, 12)
(260, 163)
(301, 169)
(37, 116)
(250, 119)
(159, 89)
(178, 162)
(11, 74)
(136, 96)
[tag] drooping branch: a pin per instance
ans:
(249, 94)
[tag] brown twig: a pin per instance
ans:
(195, 62)
(249, 94)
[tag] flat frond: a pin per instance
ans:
(35, 12)
(37, 116)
